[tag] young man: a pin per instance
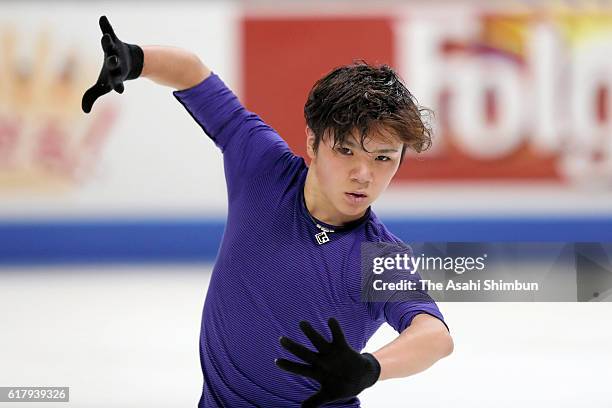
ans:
(291, 249)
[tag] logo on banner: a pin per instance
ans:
(517, 96)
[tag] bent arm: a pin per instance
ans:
(417, 348)
(174, 67)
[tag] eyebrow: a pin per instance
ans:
(351, 144)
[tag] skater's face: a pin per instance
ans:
(350, 177)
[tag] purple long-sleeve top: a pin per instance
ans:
(270, 272)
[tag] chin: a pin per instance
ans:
(351, 211)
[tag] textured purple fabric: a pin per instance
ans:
(270, 273)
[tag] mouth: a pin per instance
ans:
(356, 197)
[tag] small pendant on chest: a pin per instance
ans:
(322, 238)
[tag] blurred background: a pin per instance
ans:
(110, 222)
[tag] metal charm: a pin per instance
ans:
(322, 238)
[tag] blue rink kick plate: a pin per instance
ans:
(197, 240)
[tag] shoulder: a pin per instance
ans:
(376, 231)
(281, 172)
(273, 186)
(372, 239)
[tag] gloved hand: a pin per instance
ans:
(341, 371)
(121, 62)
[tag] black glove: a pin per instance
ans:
(121, 62)
(341, 371)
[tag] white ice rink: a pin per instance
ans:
(127, 337)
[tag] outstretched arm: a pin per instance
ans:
(174, 67)
(168, 66)
(249, 145)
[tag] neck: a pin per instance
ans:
(320, 207)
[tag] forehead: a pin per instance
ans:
(375, 139)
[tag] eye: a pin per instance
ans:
(344, 150)
(383, 158)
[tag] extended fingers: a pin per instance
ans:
(298, 350)
(117, 85)
(107, 44)
(295, 368)
(106, 27)
(337, 334)
(314, 336)
(93, 93)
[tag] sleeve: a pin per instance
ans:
(399, 315)
(249, 145)
(398, 306)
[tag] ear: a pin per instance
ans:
(310, 140)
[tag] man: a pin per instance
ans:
(291, 248)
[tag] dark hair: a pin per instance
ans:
(366, 98)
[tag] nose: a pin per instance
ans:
(361, 171)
